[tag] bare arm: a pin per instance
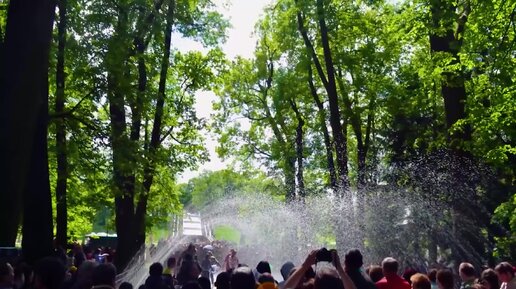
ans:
(346, 281)
(298, 275)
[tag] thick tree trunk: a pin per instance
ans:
(37, 203)
(61, 152)
(155, 141)
(123, 183)
(328, 80)
(453, 83)
(453, 90)
(290, 178)
(322, 123)
(24, 104)
(339, 138)
(123, 178)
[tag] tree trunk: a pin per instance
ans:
(123, 178)
(24, 104)
(299, 150)
(453, 90)
(322, 123)
(335, 119)
(37, 203)
(328, 80)
(453, 83)
(61, 152)
(155, 141)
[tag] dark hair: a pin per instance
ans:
(242, 278)
(310, 273)
(432, 275)
(489, 276)
(409, 272)
(263, 267)
(222, 281)
(171, 262)
(156, 269)
(390, 265)
(445, 277)
(420, 281)
(467, 269)
(184, 274)
(204, 282)
(353, 259)
(504, 268)
(191, 285)
(266, 277)
(104, 274)
(50, 271)
(375, 273)
(327, 278)
(125, 285)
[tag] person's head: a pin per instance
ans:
(466, 272)
(104, 275)
(353, 259)
(156, 269)
(204, 282)
(49, 273)
(222, 281)
(389, 266)
(420, 281)
(263, 267)
(409, 272)
(266, 278)
(22, 275)
(489, 279)
(242, 278)
(6, 275)
(191, 247)
(85, 273)
(171, 262)
(125, 285)
(189, 271)
(505, 272)
(445, 279)
(432, 275)
(327, 278)
(375, 273)
(232, 252)
(285, 270)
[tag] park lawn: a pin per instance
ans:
(227, 233)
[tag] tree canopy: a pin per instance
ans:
(340, 97)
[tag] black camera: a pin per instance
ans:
(323, 255)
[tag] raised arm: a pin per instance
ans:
(346, 281)
(298, 275)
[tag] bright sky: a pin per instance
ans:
(243, 15)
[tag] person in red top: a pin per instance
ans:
(391, 279)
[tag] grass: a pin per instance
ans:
(227, 233)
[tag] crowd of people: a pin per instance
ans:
(197, 267)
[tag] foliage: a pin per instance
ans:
(210, 187)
